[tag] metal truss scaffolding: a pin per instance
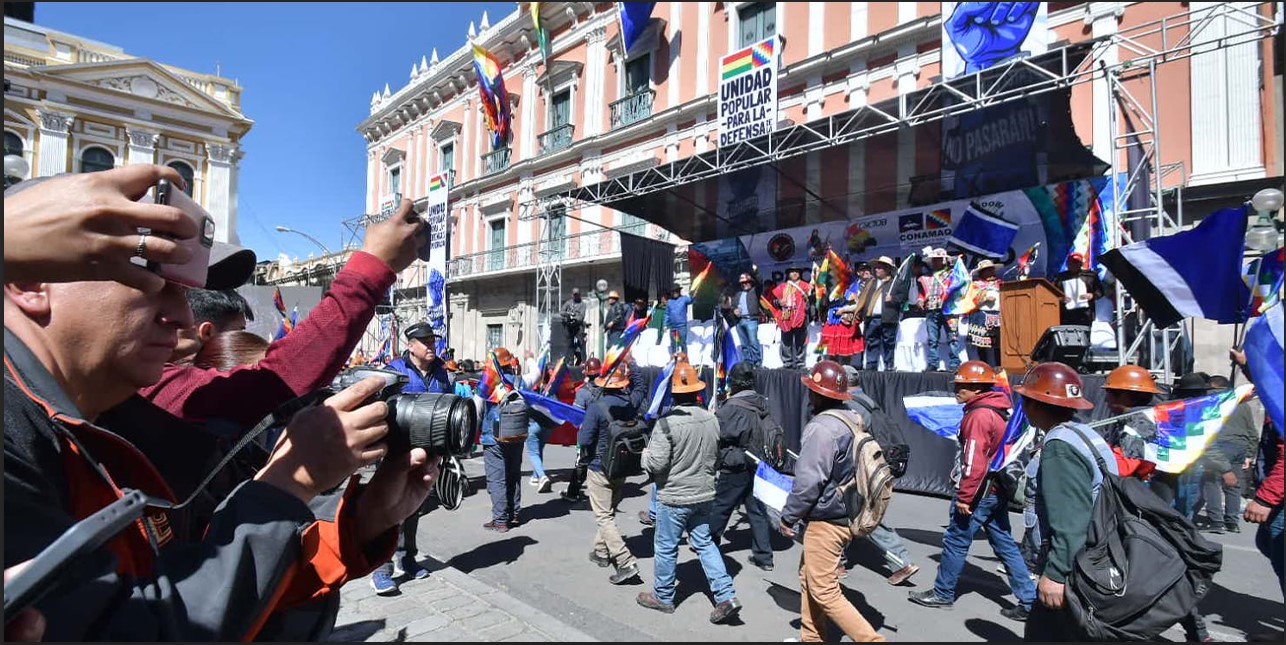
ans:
(1124, 61)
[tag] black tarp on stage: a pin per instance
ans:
(932, 457)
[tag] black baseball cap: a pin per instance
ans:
(420, 330)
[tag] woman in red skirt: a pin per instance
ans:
(842, 337)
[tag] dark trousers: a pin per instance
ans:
(575, 343)
(1223, 502)
(937, 323)
(576, 481)
(881, 339)
(990, 355)
(794, 344)
(406, 549)
(1049, 625)
(731, 490)
(503, 463)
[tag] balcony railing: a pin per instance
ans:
(632, 109)
(495, 161)
(560, 138)
(572, 248)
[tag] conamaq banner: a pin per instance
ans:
(748, 93)
(439, 238)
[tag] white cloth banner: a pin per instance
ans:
(439, 241)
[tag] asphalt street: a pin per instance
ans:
(542, 567)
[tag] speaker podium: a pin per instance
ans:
(1027, 309)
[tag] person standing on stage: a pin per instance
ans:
(676, 319)
(573, 313)
(932, 299)
(792, 299)
(984, 324)
(617, 317)
(746, 310)
(881, 309)
(1089, 291)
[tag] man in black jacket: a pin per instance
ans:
(740, 419)
(880, 308)
(1078, 307)
(614, 404)
(746, 312)
(615, 318)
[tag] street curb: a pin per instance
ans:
(556, 629)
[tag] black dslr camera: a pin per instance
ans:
(442, 424)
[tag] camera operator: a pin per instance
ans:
(66, 363)
(573, 313)
(309, 357)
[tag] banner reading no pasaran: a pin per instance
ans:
(748, 93)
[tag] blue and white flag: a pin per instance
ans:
(1264, 357)
(983, 233)
(1195, 273)
(555, 412)
(771, 487)
(659, 398)
(937, 412)
(634, 18)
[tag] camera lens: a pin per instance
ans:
(442, 424)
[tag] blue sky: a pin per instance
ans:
(307, 71)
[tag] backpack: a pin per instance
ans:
(896, 452)
(625, 443)
(867, 495)
(1144, 566)
(512, 418)
(767, 439)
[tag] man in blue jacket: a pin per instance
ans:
(426, 372)
(676, 319)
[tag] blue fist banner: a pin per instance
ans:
(977, 35)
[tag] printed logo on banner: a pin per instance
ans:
(748, 93)
(912, 222)
(938, 219)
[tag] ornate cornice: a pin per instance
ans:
(143, 138)
(55, 122)
(220, 153)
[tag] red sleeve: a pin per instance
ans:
(1270, 492)
(976, 439)
(306, 359)
(331, 555)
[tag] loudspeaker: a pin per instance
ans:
(1063, 343)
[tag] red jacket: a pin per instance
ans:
(981, 432)
(306, 359)
(1269, 492)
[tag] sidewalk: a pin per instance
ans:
(446, 606)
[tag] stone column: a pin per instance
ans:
(530, 129)
(142, 146)
(221, 199)
(54, 128)
(596, 96)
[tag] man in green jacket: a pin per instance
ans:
(1068, 480)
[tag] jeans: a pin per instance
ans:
(935, 324)
(652, 503)
(678, 337)
(1268, 539)
(751, 351)
(887, 540)
(1188, 491)
(992, 515)
(503, 462)
(881, 341)
(671, 522)
(794, 344)
(1223, 502)
(731, 490)
(537, 437)
(406, 551)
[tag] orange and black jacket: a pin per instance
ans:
(260, 564)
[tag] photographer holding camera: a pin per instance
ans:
(573, 313)
(263, 550)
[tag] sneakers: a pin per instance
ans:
(929, 598)
(544, 485)
(1017, 612)
(902, 575)
(649, 600)
(625, 574)
(414, 572)
(1232, 527)
(383, 583)
(572, 499)
(601, 560)
(645, 519)
(725, 611)
(497, 526)
(766, 566)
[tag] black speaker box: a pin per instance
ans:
(1065, 344)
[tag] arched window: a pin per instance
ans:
(96, 159)
(12, 144)
(186, 172)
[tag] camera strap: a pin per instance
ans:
(279, 417)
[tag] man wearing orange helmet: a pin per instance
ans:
(825, 463)
(1130, 388)
(586, 393)
(680, 457)
(978, 505)
(1068, 480)
(613, 404)
(502, 459)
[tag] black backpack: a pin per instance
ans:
(1144, 566)
(625, 443)
(896, 452)
(768, 441)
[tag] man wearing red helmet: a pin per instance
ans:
(1068, 480)
(1078, 302)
